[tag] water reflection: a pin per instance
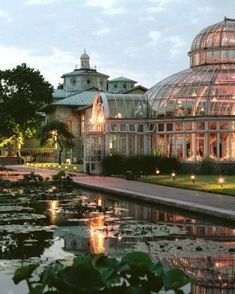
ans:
(90, 221)
(53, 208)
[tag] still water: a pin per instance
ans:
(203, 247)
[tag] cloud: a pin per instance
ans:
(176, 45)
(103, 31)
(5, 16)
(154, 36)
(51, 65)
(160, 5)
(40, 2)
(130, 51)
(108, 6)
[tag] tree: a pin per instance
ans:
(23, 91)
(59, 132)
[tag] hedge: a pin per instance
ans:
(138, 164)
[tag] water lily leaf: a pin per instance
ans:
(82, 260)
(137, 259)
(82, 278)
(158, 269)
(174, 279)
(24, 273)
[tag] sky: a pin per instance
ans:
(144, 40)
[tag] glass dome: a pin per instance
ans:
(208, 87)
(214, 44)
(119, 106)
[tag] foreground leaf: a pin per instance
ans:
(24, 273)
(175, 279)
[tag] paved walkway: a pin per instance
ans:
(196, 201)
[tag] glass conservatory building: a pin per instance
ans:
(190, 114)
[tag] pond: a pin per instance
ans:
(54, 225)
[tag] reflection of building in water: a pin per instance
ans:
(77, 239)
(84, 238)
(194, 227)
(213, 275)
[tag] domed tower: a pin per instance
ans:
(85, 60)
(214, 45)
(202, 98)
(84, 77)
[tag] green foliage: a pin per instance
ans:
(24, 273)
(23, 92)
(4, 183)
(138, 164)
(135, 273)
(206, 166)
(58, 132)
(113, 165)
(62, 179)
(33, 179)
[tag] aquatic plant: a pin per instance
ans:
(134, 273)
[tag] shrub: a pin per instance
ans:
(138, 164)
(62, 179)
(207, 166)
(113, 165)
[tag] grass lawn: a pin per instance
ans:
(203, 183)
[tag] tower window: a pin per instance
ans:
(115, 85)
(88, 81)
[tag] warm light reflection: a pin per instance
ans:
(97, 236)
(53, 208)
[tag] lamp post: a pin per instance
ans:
(193, 178)
(173, 175)
(221, 181)
(157, 172)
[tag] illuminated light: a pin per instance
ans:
(119, 238)
(66, 167)
(54, 165)
(157, 172)
(74, 167)
(52, 189)
(100, 119)
(91, 120)
(193, 178)
(221, 181)
(119, 115)
(44, 165)
(68, 161)
(39, 165)
(59, 166)
(99, 202)
(173, 175)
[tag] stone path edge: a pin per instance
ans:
(186, 205)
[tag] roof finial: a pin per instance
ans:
(85, 50)
(228, 19)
